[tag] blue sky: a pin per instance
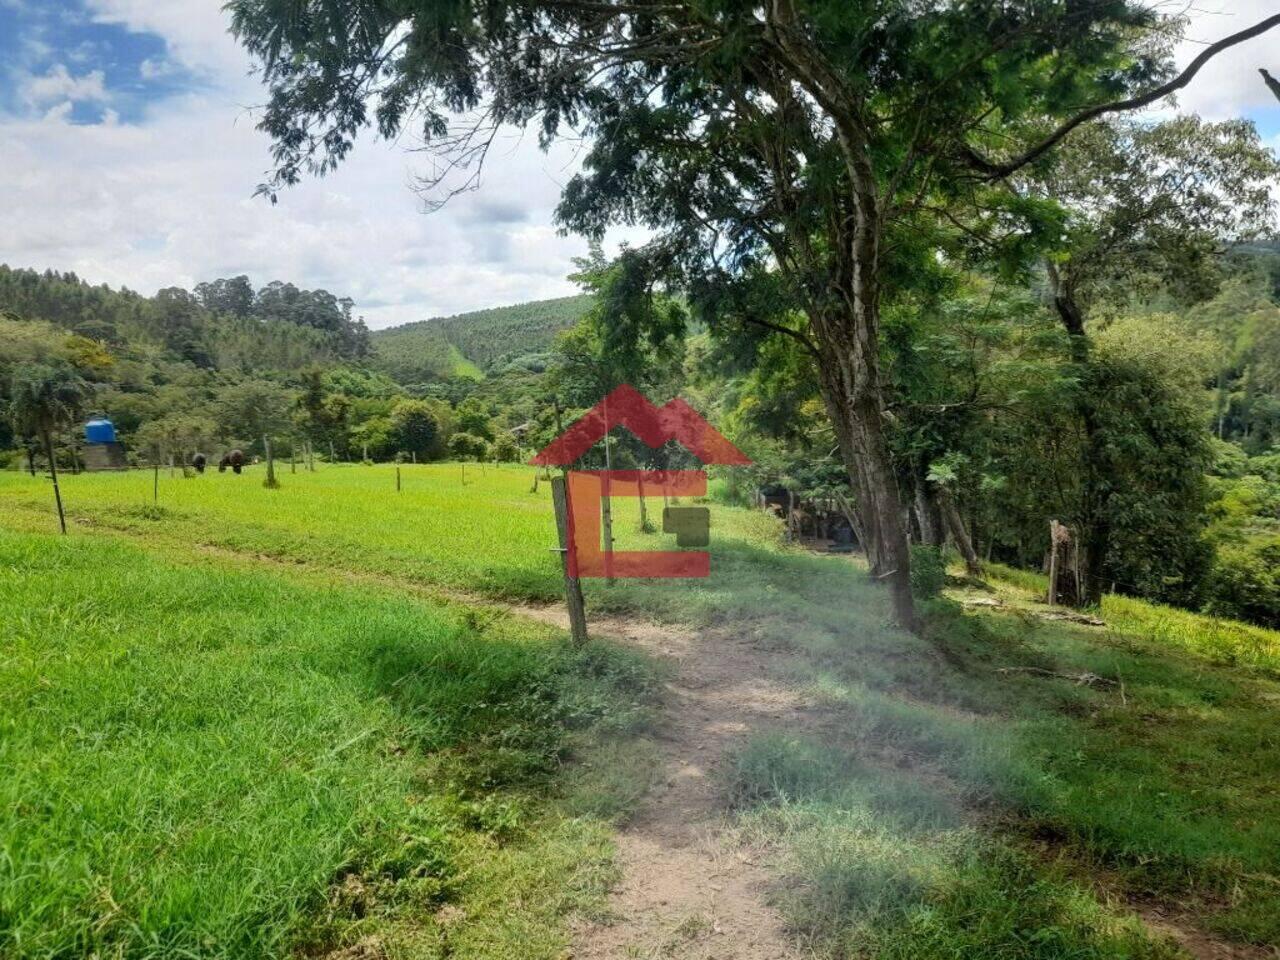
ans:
(128, 154)
(59, 53)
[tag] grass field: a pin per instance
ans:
(973, 796)
(208, 761)
(482, 530)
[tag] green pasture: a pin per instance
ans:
(202, 761)
(474, 528)
(312, 672)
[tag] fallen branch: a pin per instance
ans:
(1079, 679)
(1072, 618)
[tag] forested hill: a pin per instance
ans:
(483, 340)
(223, 325)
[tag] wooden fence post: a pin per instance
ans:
(397, 479)
(53, 475)
(1053, 563)
(606, 504)
(271, 482)
(572, 586)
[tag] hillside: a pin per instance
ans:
(469, 344)
(223, 325)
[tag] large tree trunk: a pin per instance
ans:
(928, 518)
(1092, 524)
(959, 532)
(845, 315)
(855, 412)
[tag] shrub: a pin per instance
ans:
(468, 446)
(928, 571)
(1245, 583)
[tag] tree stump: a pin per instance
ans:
(1064, 566)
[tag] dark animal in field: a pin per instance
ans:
(235, 460)
(1272, 83)
(198, 461)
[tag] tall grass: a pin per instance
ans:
(949, 762)
(209, 762)
(1222, 641)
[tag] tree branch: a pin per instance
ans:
(778, 328)
(995, 171)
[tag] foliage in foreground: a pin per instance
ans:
(203, 761)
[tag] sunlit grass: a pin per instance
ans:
(475, 528)
(1221, 641)
(206, 762)
(956, 765)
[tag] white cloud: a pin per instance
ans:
(59, 84)
(1229, 85)
(61, 112)
(169, 202)
(195, 32)
(155, 67)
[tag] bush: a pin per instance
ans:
(13, 460)
(928, 571)
(468, 446)
(1245, 583)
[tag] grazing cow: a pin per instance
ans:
(198, 461)
(235, 460)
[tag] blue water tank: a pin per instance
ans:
(99, 430)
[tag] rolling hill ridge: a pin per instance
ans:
(469, 345)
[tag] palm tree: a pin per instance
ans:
(45, 398)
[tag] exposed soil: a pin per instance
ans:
(1166, 922)
(687, 891)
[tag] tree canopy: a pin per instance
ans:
(822, 142)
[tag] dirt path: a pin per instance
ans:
(686, 891)
(1164, 922)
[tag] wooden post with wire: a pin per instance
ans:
(572, 585)
(606, 501)
(271, 483)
